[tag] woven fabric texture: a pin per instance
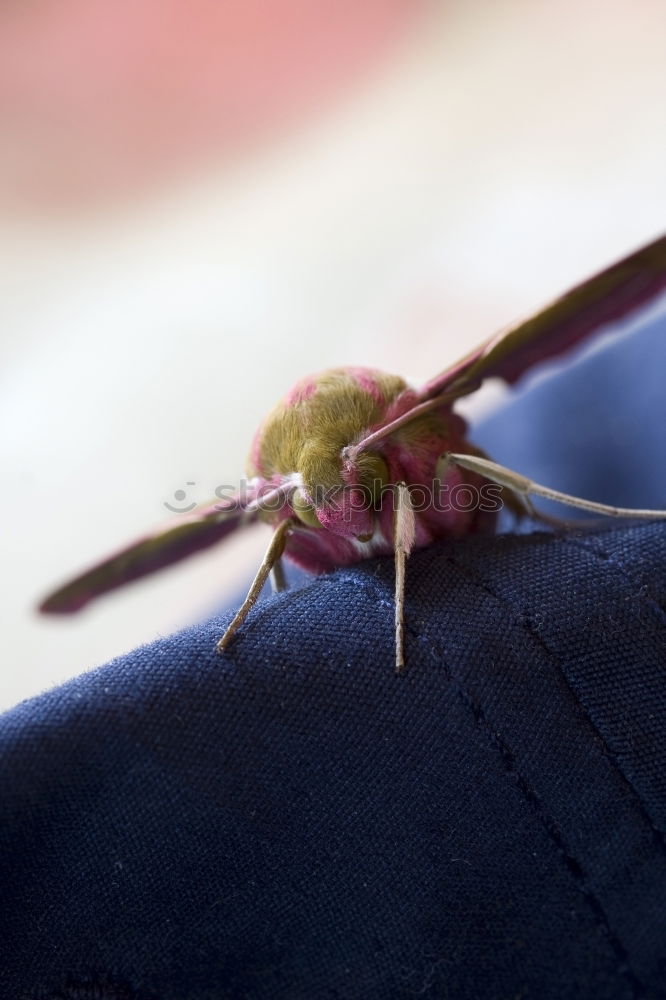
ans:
(295, 821)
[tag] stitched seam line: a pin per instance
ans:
(603, 556)
(522, 619)
(508, 760)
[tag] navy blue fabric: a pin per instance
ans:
(295, 821)
(597, 429)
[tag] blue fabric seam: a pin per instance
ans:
(507, 757)
(522, 619)
(603, 556)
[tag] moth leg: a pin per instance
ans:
(557, 523)
(273, 553)
(278, 579)
(519, 506)
(525, 487)
(404, 527)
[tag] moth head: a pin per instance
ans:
(304, 508)
(307, 438)
(344, 499)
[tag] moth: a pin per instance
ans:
(355, 463)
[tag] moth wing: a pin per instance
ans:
(167, 545)
(580, 313)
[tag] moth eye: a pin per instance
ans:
(304, 510)
(375, 473)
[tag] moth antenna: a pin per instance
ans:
(404, 531)
(525, 487)
(272, 556)
(416, 411)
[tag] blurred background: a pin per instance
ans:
(203, 200)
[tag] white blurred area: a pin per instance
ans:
(500, 153)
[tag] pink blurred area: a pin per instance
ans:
(99, 96)
(202, 201)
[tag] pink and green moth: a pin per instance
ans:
(335, 467)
